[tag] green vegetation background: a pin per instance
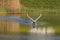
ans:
(51, 7)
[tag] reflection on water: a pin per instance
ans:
(29, 37)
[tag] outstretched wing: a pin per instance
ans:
(35, 19)
(19, 20)
(38, 17)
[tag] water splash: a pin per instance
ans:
(35, 31)
(50, 30)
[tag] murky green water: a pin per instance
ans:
(28, 37)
